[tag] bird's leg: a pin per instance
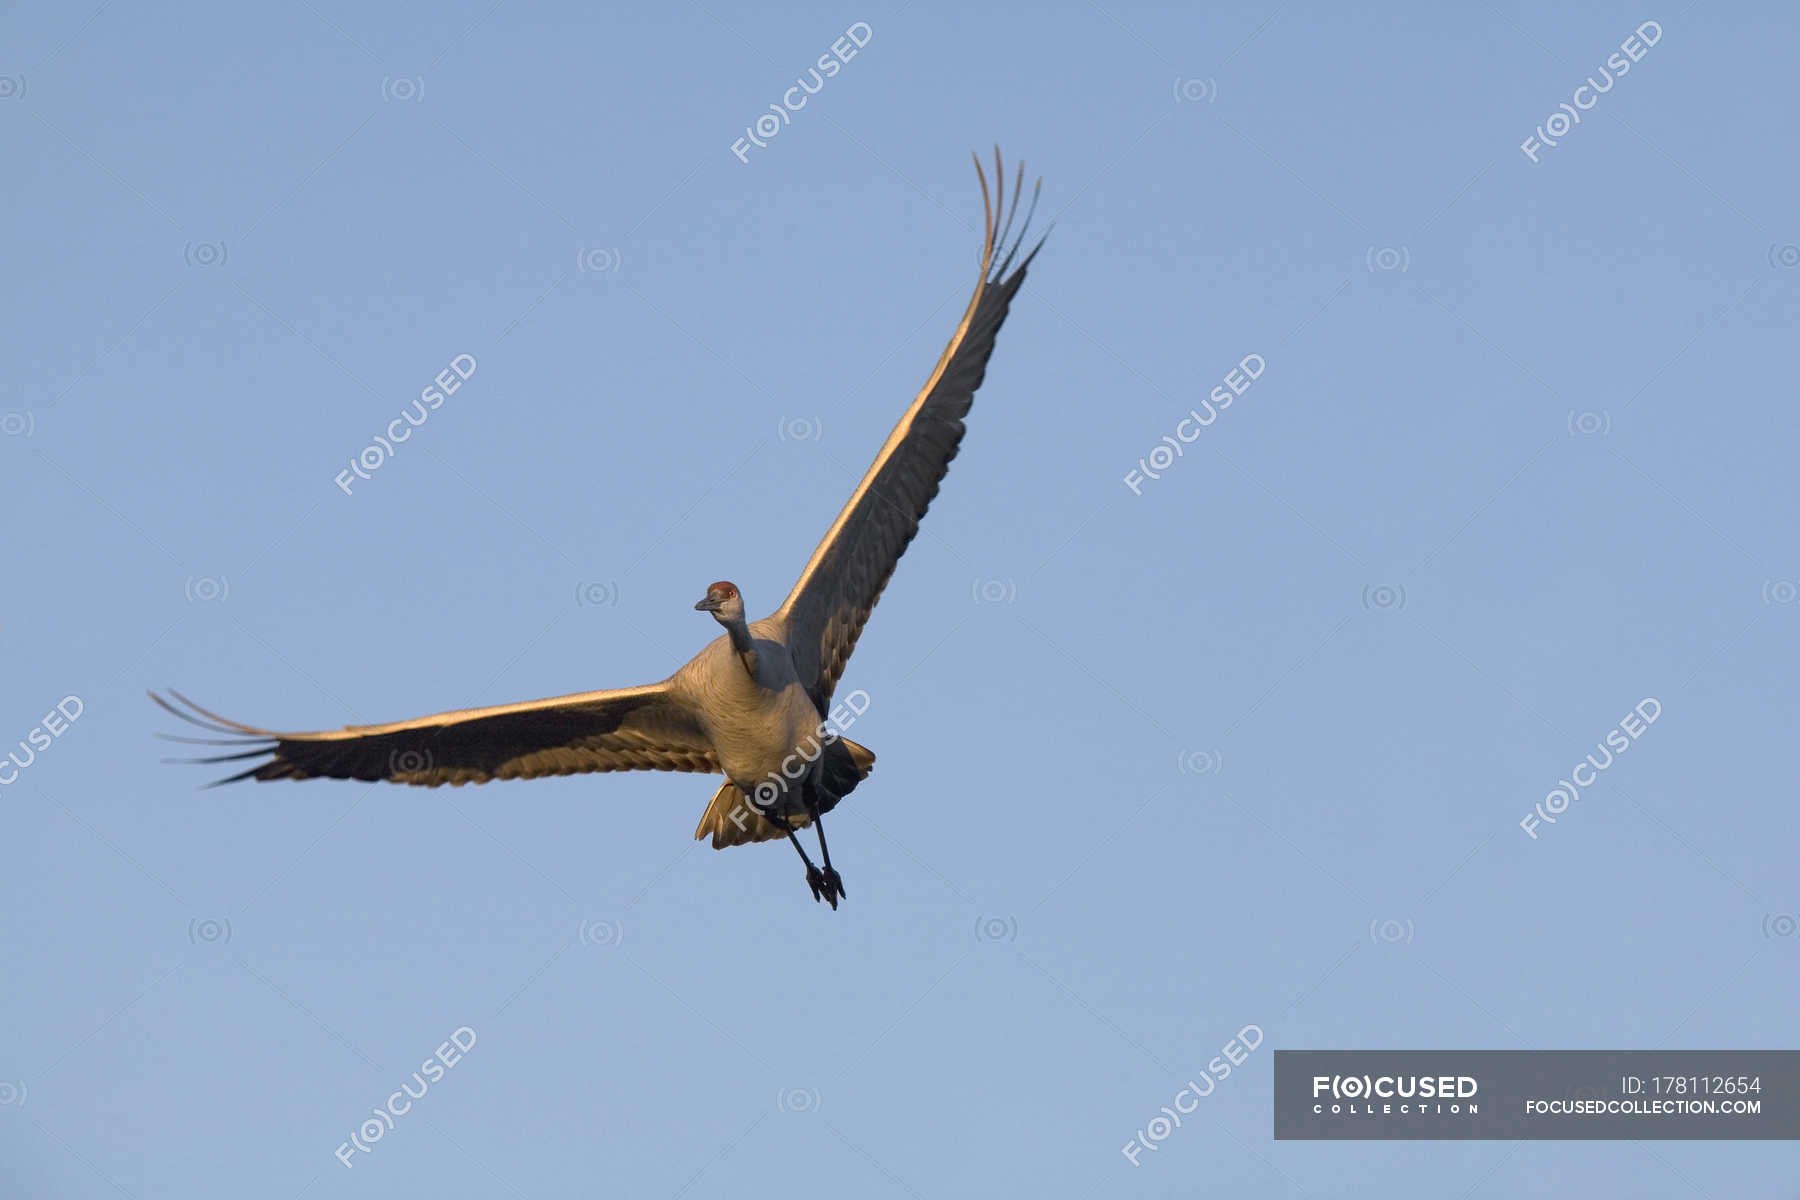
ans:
(817, 882)
(814, 879)
(834, 883)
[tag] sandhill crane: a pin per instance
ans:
(753, 703)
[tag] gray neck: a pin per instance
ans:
(741, 643)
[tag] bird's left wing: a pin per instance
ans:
(630, 729)
(824, 615)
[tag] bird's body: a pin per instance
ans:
(754, 722)
(752, 704)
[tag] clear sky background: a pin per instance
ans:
(1252, 746)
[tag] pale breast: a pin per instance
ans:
(756, 725)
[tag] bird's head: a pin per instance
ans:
(724, 602)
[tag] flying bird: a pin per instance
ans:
(753, 704)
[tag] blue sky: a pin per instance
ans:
(1247, 743)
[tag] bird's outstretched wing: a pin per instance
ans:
(825, 613)
(632, 729)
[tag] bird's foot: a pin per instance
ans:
(826, 885)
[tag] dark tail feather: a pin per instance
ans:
(846, 764)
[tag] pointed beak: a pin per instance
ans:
(706, 604)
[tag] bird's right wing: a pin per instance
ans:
(823, 616)
(630, 729)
